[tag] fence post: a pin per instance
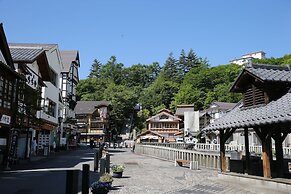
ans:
(72, 181)
(85, 179)
(102, 166)
(96, 160)
(107, 163)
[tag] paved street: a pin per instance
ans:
(45, 175)
(149, 175)
(142, 175)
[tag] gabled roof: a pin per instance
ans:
(149, 132)
(165, 110)
(2, 59)
(224, 105)
(22, 54)
(262, 72)
(164, 113)
(88, 107)
(276, 112)
(68, 57)
(6, 61)
(46, 47)
(5, 56)
(184, 108)
(25, 54)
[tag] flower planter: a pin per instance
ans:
(117, 174)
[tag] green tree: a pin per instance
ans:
(286, 59)
(171, 71)
(95, 71)
(159, 93)
(201, 81)
(112, 71)
(123, 101)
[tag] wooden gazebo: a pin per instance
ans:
(265, 108)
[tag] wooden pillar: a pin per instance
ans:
(247, 151)
(279, 154)
(265, 137)
(222, 151)
(266, 158)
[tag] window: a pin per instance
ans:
(254, 96)
(6, 93)
(54, 78)
(51, 108)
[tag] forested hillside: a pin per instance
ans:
(188, 79)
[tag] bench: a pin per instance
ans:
(193, 164)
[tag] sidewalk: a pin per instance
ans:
(145, 174)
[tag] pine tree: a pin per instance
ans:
(95, 69)
(171, 69)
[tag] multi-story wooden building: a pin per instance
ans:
(92, 120)
(32, 63)
(69, 81)
(52, 105)
(10, 86)
(165, 124)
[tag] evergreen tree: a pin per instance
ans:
(95, 70)
(171, 69)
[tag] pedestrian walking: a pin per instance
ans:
(33, 146)
(54, 146)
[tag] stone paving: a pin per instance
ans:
(145, 174)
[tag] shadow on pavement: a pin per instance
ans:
(62, 159)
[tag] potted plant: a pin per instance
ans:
(117, 170)
(100, 187)
(106, 178)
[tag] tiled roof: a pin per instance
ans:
(88, 107)
(270, 72)
(184, 108)
(25, 54)
(175, 118)
(275, 112)
(147, 132)
(67, 58)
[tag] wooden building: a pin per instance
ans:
(92, 120)
(10, 82)
(266, 109)
(165, 124)
(149, 137)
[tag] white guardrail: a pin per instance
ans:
(215, 147)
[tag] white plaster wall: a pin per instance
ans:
(51, 91)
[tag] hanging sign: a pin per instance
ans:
(5, 119)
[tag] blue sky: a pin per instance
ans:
(146, 31)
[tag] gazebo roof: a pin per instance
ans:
(276, 112)
(265, 73)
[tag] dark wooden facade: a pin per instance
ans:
(10, 82)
